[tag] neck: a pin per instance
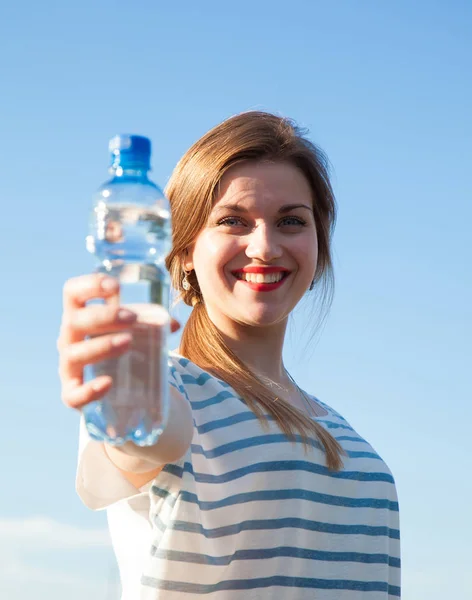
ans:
(260, 348)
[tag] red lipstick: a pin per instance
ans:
(262, 287)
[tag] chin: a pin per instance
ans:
(265, 318)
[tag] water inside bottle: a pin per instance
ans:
(127, 232)
(131, 242)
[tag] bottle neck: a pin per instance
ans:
(129, 173)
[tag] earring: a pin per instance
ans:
(186, 283)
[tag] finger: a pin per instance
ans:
(79, 290)
(76, 293)
(98, 319)
(76, 356)
(77, 395)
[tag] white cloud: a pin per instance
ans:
(50, 584)
(16, 570)
(50, 534)
(55, 559)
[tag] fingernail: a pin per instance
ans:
(126, 315)
(100, 384)
(122, 339)
(109, 284)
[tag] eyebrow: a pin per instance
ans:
(282, 210)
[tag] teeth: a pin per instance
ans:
(260, 278)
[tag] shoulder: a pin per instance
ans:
(331, 412)
(209, 397)
(360, 454)
(189, 377)
(334, 420)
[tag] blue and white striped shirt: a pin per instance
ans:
(248, 514)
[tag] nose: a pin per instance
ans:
(262, 244)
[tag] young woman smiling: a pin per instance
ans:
(256, 489)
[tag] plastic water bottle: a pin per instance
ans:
(130, 237)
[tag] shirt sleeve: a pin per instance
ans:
(99, 483)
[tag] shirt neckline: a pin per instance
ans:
(310, 396)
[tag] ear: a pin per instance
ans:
(187, 260)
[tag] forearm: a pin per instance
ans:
(172, 444)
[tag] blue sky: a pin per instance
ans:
(385, 89)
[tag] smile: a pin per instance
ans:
(262, 280)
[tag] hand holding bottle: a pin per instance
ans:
(95, 333)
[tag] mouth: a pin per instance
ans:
(262, 280)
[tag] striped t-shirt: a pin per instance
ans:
(248, 514)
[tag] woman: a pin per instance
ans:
(256, 489)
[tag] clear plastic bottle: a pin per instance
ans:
(130, 237)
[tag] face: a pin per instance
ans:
(257, 254)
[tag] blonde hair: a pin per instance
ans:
(192, 190)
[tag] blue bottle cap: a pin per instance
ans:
(130, 152)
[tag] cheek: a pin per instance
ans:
(205, 250)
(212, 254)
(306, 252)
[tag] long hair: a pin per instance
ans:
(192, 190)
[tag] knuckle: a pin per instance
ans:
(102, 317)
(76, 320)
(71, 354)
(70, 287)
(109, 346)
(65, 397)
(62, 335)
(91, 314)
(77, 287)
(85, 319)
(102, 313)
(71, 393)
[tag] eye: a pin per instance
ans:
(290, 221)
(231, 221)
